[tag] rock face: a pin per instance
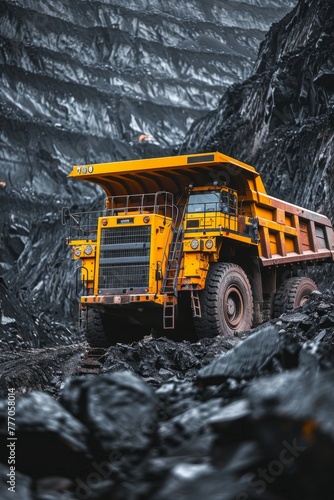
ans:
(80, 83)
(281, 118)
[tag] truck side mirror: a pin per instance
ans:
(65, 215)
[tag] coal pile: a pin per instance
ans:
(158, 360)
(168, 419)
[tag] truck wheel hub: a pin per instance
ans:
(233, 307)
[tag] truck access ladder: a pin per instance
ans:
(169, 283)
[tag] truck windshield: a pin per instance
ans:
(205, 201)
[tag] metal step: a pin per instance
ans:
(169, 314)
(195, 304)
(91, 364)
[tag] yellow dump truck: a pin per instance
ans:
(190, 242)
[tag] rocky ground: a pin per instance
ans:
(251, 417)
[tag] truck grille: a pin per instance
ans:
(124, 259)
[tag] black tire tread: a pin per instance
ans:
(208, 324)
(95, 333)
(285, 295)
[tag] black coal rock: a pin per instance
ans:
(119, 409)
(48, 439)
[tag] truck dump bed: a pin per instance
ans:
(287, 233)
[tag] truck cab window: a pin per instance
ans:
(204, 201)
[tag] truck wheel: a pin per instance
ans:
(103, 330)
(95, 329)
(292, 293)
(226, 302)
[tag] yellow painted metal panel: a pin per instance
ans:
(170, 173)
(289, 244)
(273, 243)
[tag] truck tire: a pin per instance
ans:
(292, 293)
(226, 302)
(95, 330)
(103, 330)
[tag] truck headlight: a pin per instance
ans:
(88, 249)
(77, 251)
(194, 244)
(209, 244)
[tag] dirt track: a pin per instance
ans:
(41, 369)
